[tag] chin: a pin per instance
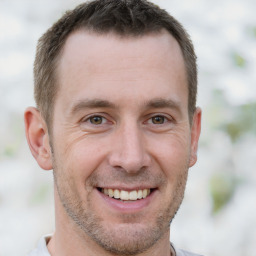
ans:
(128, 239)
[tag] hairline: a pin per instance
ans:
(93, 31)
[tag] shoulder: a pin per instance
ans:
(41, 249)
(185, 253)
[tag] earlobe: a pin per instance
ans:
(195, 133)
(38, 138)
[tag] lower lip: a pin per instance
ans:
(127, 206)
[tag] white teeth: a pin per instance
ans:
(116, 194)
(133, 195)
(139, 194)
(144, 193)
(105, 191)
(126, 195)
(110, 192)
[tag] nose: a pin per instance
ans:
(129, 150)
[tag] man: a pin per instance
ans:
(115, 87)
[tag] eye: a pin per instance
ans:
(158, 119)
(97, 120)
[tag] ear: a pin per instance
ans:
(195, 133)
(38, 138)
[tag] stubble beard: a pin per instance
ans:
(127, 239)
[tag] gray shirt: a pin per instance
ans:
(41, 249)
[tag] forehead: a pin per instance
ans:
(85, 46)
(146, 65)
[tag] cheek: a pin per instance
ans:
(172, 155)
(171, 148)
(79, 155)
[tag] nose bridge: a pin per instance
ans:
(128, 151)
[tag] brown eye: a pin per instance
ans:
(96, 120)
(158, 119)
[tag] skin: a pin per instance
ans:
(140, 137)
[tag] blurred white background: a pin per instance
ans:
(218, 214)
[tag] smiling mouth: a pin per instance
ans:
(124, 195)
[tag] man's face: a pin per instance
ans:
(121, 138)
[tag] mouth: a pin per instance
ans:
(125, 195)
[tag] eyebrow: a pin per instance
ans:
(164, 103)
(94, 103)
(99, 103)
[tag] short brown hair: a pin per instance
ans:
(123, 17)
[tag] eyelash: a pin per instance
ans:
(90, 118)
(163, 119)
